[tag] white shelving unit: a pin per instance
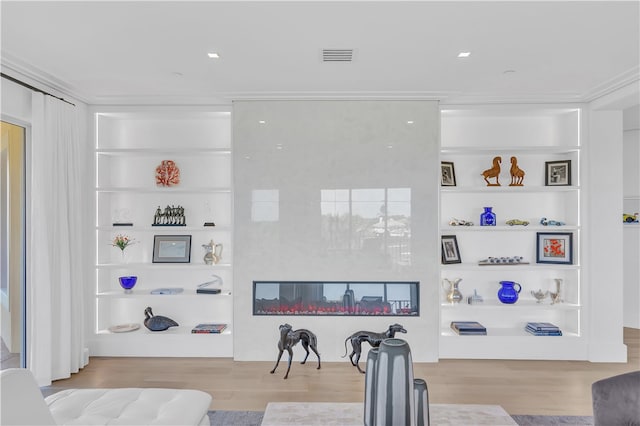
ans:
(471, 138)
(130, 144)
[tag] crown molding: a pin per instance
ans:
(19, 69)
(23, 71)
(616, 83)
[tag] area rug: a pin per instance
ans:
(254, 418)
(524, 420)
(235, 418)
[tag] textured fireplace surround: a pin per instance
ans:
(329, 191)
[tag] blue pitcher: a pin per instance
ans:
(509, 291)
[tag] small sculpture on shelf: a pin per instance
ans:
(371, 337)
(546, 222)
(213, 252)
(171, 216)
(475, 298)
(289, 338)
(157, 323)
(167, 173)
(539, 295)
(493, 172)
(512, 222)
(514, 260)
(630, 218)
(517, 174)
(460, 222)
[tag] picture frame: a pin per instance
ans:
(557, 173)
(171, 248)
(447, 174)
(450, 251)
(554, 247)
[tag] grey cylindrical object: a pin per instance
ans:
(421, 396)
(394, 384)
(370, 388)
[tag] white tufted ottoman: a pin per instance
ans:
(129, 406)
(21, 403)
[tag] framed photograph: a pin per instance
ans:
(171, 248)
(554, 247)
(450, 252)
(557, 173)
(447, 174)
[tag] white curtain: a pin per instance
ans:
(57, 241)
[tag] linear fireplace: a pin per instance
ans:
(344, 298)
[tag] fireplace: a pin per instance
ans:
(322, 298)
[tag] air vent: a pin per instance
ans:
(337, 55)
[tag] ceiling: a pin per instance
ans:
(156, 51)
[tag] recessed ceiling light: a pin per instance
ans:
(213, 55)
(389, 146)
(410, 122)
(464, 54)
(262, 122)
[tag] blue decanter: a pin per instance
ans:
(488, 218)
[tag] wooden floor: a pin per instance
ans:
(520, 387)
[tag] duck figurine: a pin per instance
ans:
(157, 323)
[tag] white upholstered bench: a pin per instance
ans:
(23, 403)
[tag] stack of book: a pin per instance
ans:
(209, 328)
(543, 329)
(468, 328)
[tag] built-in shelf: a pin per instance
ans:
(130, 145)
(471, 137)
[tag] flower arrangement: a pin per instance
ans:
(122, 241)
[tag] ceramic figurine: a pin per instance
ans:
(371, 337)
(493, 172)
(289, 338)
(517, 174)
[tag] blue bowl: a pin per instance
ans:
(128, 282)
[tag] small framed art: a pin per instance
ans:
(172, 248)
(554, 247)
(450, 252)
(557, 173)
(447, 174)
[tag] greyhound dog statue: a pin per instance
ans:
(289, 338)
(374, 339)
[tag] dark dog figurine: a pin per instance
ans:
(289, 338)
(374, 340)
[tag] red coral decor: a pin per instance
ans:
(167, 173)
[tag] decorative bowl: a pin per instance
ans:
(128, 282)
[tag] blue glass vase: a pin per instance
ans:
(508, 293)
(488, 218)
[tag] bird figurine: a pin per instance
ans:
(157, 323)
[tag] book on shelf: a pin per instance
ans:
(544, 333)
(543, 329)
(205, 290)
(209, 328)
(468, 328)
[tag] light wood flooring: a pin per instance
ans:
(520, 387)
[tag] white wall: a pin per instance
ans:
(631, 204)
(307, 146)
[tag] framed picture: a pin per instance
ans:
(554, 247)
(557, 173)
(447, 174)
(171, 248)
(450, 252)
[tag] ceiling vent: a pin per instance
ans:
(337, 55)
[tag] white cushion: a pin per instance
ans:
(129, 406)
(22, 402)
